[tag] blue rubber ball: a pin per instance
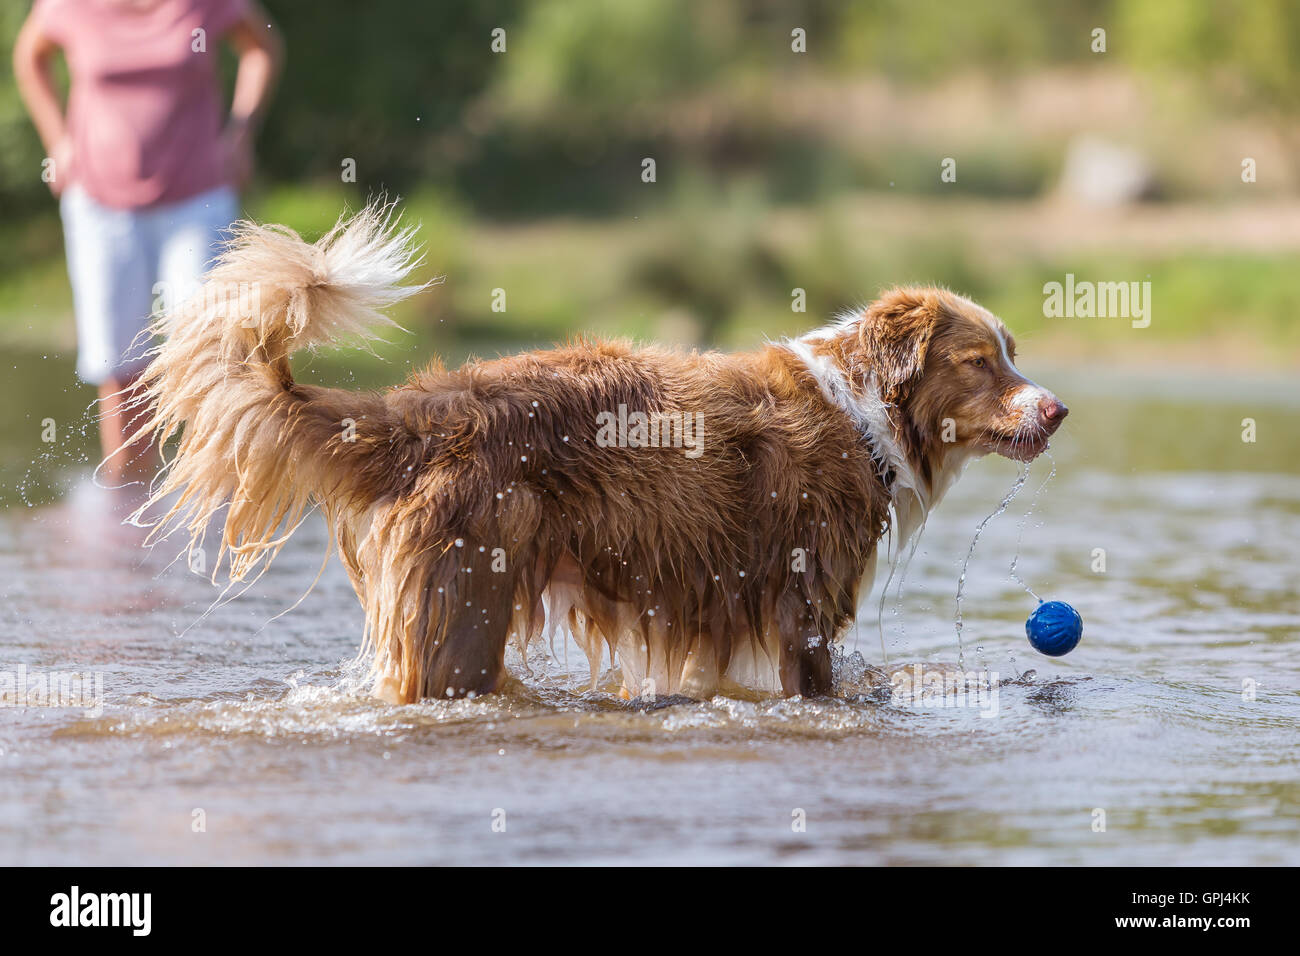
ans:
(1054, 628)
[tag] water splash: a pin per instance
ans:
(961, 581)
(897, 609)
(1020, 534)
(884, 594)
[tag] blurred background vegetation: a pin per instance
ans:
(776, 170)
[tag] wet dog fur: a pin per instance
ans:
(482, 505)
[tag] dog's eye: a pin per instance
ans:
(977, 362)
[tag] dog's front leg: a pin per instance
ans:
(805, 653)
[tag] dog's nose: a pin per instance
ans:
(1052, 408)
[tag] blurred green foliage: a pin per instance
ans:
(415, 95)
(524, 166)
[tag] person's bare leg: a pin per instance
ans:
(118, 421)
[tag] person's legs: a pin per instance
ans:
(188, 236)
(120, 415)
(111, 263)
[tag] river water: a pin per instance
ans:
(230, 735)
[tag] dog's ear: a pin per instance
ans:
(895, 336)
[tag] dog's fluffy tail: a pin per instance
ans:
(251, 438)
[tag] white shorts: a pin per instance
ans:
(127, 264)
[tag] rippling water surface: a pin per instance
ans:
(1177, 716)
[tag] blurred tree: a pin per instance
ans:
(414, 93)
(378, 83)
(924, 40)
(1247, 52)
(20, 149)
(584, 61)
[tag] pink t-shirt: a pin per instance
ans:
(145, 110)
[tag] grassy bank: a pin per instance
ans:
(720, 267)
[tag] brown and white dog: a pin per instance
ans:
(710, 519)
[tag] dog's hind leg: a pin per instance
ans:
(462, 650)
(449, 566)
(439, 625)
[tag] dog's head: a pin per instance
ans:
(945, 369)
(949, 366)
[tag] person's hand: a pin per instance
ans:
(62, 168)
(237, 149)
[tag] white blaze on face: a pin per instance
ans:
(1025, 399)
